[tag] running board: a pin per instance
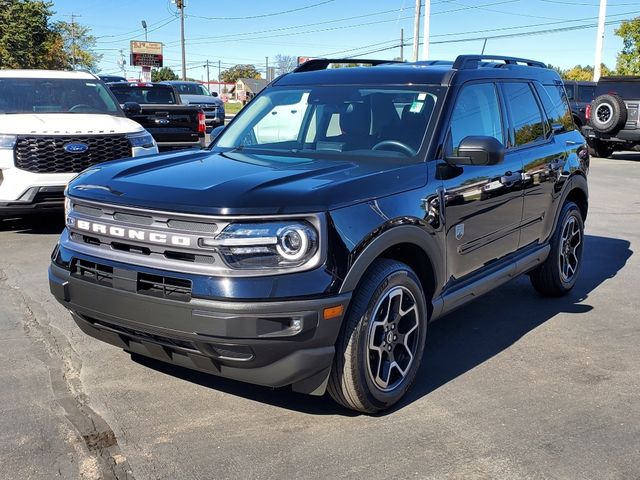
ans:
(458, 297)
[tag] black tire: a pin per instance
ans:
(358, 373)
(608, 114)
(551, 279)
(603, 149)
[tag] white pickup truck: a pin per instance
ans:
(53, 125)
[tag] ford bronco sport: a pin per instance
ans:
(315, 257)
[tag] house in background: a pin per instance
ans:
(247, 88)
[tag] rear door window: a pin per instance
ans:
(526, 118)
(556, 106)
(586, 93)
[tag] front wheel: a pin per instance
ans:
(381, 344)
(559, 273)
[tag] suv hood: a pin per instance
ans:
(235, 183)
(65, 124)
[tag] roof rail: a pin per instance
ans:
(322, 63)
(466, 62)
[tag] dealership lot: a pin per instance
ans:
(512, 386)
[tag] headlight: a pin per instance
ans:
(7, 141)
(141, 139)
(265, 245)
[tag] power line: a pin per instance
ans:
(150, 30)
(265, 14)
(451, 34)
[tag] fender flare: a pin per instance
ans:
(395, 236)
(576, 181)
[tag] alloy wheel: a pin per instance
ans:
(392, 338)
(570, 245)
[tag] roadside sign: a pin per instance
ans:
(146, 54)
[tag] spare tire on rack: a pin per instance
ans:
(608, 114)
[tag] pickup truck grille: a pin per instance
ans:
(47, 154)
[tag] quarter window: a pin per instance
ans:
(556, 106)
(476, 113)
(526, 118)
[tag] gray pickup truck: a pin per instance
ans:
(160, 110)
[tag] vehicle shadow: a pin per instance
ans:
(458, 342)
(40, 224)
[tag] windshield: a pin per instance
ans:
(55, 95)
(191, 89)
(144, 95)
(338, 120)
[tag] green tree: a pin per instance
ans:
(629, 58)
(164, 73)
(580, 73)
(27, 39)
(239, 71)
(78, 45)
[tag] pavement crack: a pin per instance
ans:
(106, 460)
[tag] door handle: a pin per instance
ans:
(510, 178)
(571, 142)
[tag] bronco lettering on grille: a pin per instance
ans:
(133, 234)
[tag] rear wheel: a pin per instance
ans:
(608, 113)
(382, 341)
(559, 273)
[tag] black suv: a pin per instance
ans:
(580, 95)
(613, 116)
(330, 221)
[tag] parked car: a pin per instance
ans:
(316, 261)
(613, 116)
(157, 108)
(112, 78)
(580, 94)
(193, 93)
(53, 125)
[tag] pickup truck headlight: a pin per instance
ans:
(265, 245)
(141, 139)
(7, 141)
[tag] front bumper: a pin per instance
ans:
(250, 341)
(35, 200)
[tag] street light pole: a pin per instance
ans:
(144, 25)
(427, 25)
(597, 67)
(416, 30)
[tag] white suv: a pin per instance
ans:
(53, 125)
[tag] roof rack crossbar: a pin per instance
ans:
(322, 63)
(464, 62)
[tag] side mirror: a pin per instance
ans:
(131, 108)
(215, 132)
(478, 151)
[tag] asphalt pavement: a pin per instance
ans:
(512, 386)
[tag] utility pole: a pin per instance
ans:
(427, 25)
(402, 44)
(597, 67)
(180, 5)
(266, 59)
(416, 30)
(208, 82)
(219, 73)
(73, 39)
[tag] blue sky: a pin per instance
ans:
(215, 32)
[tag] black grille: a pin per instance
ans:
(93, 272)
(43, 154)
